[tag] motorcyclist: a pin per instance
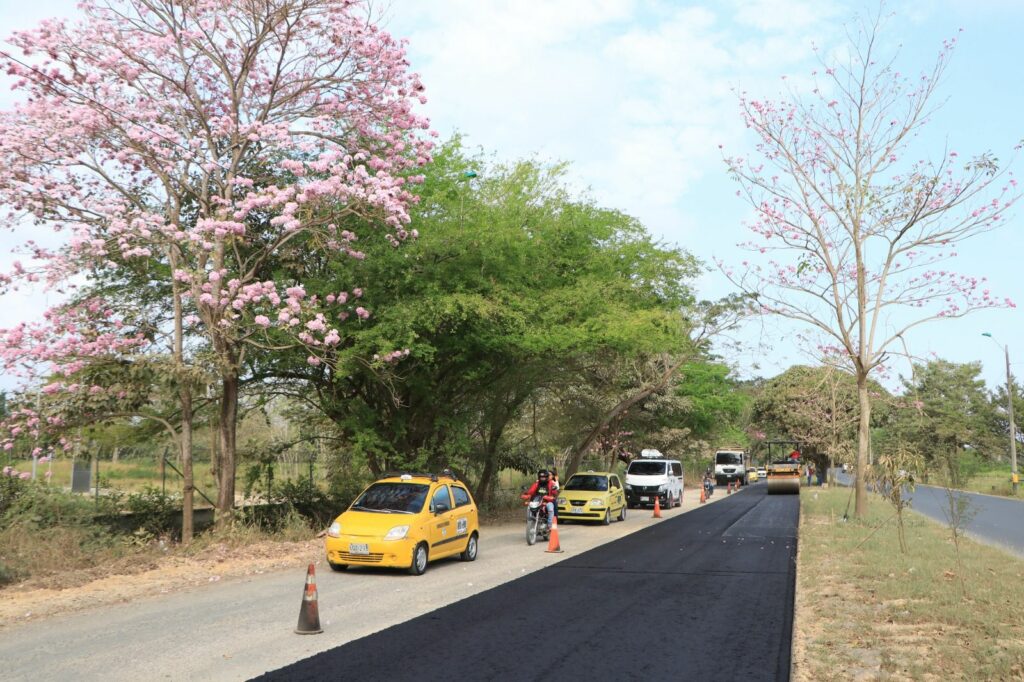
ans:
(708, 483)
(549, 486)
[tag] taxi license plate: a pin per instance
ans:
(577, 510)
(358, 549)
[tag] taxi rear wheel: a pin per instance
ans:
(469, 554)
(419, 559)
(622, 513)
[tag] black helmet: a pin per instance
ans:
(543, 475)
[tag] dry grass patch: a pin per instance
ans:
(875, 614)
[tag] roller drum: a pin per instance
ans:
(783, 485)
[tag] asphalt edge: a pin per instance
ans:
(796, 594)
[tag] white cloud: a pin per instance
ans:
(636, 94)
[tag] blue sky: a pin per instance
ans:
(637, 96)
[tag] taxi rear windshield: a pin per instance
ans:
(642, 468)
(728, 458)
(390, 498)
(587, 483)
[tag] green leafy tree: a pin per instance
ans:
(948, 412)
(513, 284)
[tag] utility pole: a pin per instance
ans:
(1013, 428)
(1014, 478)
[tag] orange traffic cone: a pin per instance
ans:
(703, 497)
(657, 509)
(309, 614)
(553, 545)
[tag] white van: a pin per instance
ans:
(730, 465)
(654, 476)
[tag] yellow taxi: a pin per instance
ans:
(406, 521)
(592, 496)
(752, 476)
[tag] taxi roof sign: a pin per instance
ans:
(651, 452)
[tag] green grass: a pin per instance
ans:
(866, 611)
(992, 482)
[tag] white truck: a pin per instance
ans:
(731, 465)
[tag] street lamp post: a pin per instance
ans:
(1009, 409)
(467, 176)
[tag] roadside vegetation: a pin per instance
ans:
(866, 610)
(50, 537)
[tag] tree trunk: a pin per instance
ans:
(574, 460)
(483, 488)
(188, 484)
(214, 451)
(228, 419)
(863, 445)
(185, 398)
(613, 458)
(577, 456)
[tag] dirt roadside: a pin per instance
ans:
(143, 577)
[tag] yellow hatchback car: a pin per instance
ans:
(406, 521)
(592, 496)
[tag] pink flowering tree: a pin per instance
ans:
(852, 233)
(187, 147)
(84, 365)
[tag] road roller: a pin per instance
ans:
(784, 477)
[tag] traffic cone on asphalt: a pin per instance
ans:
(309, 613)
(553, 546)
(703, 497)
(657, 509)
(728, 488)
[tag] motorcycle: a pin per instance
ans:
(538, 525)
(709, 488)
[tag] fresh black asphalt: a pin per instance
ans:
(706, 595)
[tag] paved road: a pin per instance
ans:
(241, 627)
(995, 520)
(706, 595)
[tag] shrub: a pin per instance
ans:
(319, 507)
(11, 487)
(38, 506)
(155, 513)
